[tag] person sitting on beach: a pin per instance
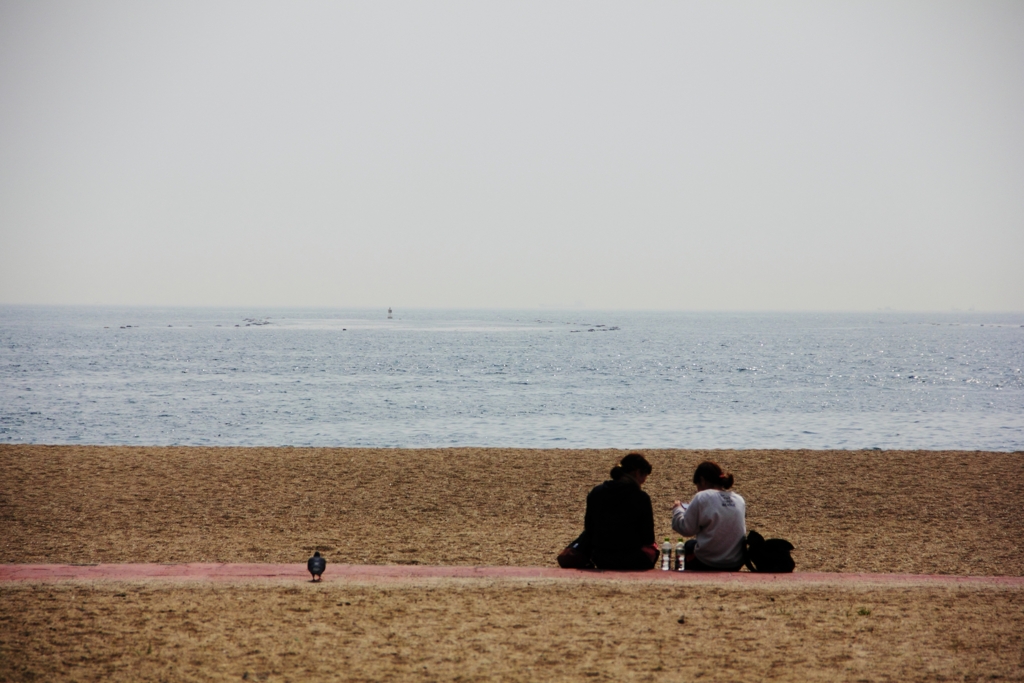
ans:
(717, 517)
(618, 528)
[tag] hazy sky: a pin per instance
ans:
(667, 155)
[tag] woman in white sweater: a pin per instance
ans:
(718, 519)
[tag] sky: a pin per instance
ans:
(634, 155)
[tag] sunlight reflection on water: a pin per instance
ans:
(532, 379)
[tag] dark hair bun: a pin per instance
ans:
(634, 462)
(713, 474)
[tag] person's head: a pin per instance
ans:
(633, 465)
(710, 475)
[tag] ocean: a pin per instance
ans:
(544, 379)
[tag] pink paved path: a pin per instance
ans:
(353, 573)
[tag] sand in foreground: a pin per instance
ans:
(857, 511)
(913, 512)
(470, 630)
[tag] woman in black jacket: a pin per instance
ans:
(618, 530)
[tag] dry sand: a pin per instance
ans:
(908, 512)
(473, 630)
(857, 511)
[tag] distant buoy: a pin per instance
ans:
(389, 313)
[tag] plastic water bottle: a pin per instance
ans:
(680, 556)
(666, 555)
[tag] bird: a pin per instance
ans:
(316, 565)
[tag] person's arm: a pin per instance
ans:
(589, 517)
(648, 521)
(686, 519)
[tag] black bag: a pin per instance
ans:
(770, 557)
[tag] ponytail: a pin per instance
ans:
(713, 474)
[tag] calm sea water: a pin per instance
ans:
(526, 378)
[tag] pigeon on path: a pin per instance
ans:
(316, 565)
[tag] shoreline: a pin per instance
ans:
(553, 449)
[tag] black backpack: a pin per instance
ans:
(771, 556)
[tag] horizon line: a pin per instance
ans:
(537, 308)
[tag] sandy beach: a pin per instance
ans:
(919, 512)
(846, 511)
(476, 631)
